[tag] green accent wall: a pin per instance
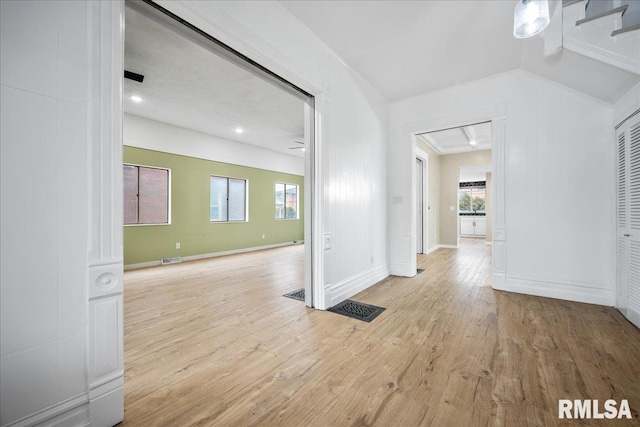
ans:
(190, 210)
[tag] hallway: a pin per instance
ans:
(213, 342)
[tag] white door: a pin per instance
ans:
(419, 206)
(628, 220)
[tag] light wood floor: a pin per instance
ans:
(213, 343)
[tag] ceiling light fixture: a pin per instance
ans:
(530, 18)
(135, 98)
(239, 130)
(473, 143)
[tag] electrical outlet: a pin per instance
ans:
(178, 245)
(263, 236)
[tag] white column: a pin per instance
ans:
(105, 293)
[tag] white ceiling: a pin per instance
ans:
(188, 86)
(406, 48)
(458, 140)
(403, 48)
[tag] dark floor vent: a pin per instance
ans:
(357, 310)
(420, 270)
(297, 294)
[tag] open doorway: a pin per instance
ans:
(453, 172)
(190, 97)
(219, 160)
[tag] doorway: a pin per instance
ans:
(301, 145)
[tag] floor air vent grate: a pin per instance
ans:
(297, 294)
(357, 310)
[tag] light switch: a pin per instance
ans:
(452, 208)
(327, 241)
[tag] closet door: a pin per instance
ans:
(622, 220)
(628, 219)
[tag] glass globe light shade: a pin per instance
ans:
(530, 18)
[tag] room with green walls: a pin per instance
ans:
(190, 225)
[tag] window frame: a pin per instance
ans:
(246, 200)
(478, 186)
(168, 195)
(285, 201)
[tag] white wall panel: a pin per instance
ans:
(73, 63)
(29, 44)
(29, 219)
(105, 345)
(72, 366)
(72, 216)
(29, 382)
(558, 181)
(44, 211)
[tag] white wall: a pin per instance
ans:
(558, 182)
(44, 207)
(61, 220)
(352, 122)
(153, 135)
(627, 105)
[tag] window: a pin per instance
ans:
(472, 197)
(286, 201)
(228, 199)
(146, 195)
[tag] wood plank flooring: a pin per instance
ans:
(214, 343)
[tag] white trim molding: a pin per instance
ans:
(559, 290)
(447, 247)
(340, 291)
(105, 280)
(71, 412)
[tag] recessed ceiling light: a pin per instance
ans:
(239, 130)
(135, 98)
(473, 143)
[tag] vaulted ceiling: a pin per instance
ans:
(406, 48)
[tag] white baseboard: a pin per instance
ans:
(633, 316)
(565, 291)
(358, 283)
(215, 254)
(402, 270)
(107, 410)
(71, 412)
(448, 246)
(432, 249)
(499, 281)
